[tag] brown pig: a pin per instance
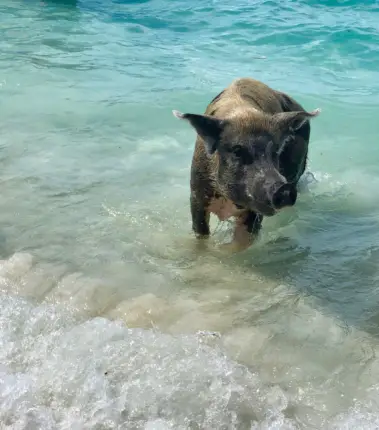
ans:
(250, 152)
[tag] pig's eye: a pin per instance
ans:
(242, 154)
(239, 151)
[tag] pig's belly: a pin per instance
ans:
(223, 209)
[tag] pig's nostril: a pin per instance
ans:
(285, 195)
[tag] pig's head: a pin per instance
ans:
(247, 151)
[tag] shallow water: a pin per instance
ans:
(110, 316)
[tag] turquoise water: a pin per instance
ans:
(107, 308)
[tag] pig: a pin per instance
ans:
(250, 152)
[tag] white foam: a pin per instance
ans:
(353, 186)
(62, 368)
(58, 372)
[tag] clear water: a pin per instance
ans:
(107, 306)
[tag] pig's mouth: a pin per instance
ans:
(259, 209)
(268, 211)
(262, 208)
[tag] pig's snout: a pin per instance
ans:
(283, 195)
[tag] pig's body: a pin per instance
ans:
(250, 152)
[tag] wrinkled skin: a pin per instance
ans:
(251, 150)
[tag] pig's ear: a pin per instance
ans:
(207, 127)
(295, 120)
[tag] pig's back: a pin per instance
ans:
(252, 93)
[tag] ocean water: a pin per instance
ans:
(110, 316)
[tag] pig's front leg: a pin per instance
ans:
(200, 217)
(245, 232)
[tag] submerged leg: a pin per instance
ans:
(245, 233)
(200, 218)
